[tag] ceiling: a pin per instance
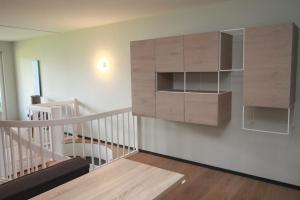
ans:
(22, 19)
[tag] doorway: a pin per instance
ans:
(3, 108)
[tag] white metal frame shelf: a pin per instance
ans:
(288, 128)
(231, 31)
(290, 109)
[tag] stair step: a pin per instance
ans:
(69, 140)
(3, 180)
(52, 162)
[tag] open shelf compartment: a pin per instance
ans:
(237, 50)
(170, 81)
(202, 82)
(268, 120)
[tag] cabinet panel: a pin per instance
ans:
(143, 78)
(169, 54)
(170, 106)
(208, 108)
(225, 105)
(202, 52)
(269, 66)
(226, 51)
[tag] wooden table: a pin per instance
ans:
(122, 179)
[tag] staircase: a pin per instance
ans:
(3, 180)
(56, 132)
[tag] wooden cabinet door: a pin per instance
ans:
(202, 52)
(201, 108)
(208, 108)
(169, 54)
(269, 66)
(143, 78)
(170, 106)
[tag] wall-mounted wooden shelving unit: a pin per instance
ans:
(187, 78)
(269, 77)
(184, 71)
(178, 78)
(270, 73)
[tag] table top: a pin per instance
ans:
(121, 179)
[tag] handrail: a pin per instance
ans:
(59, 122)
(101, 138)
(69, 108)
(40, 108)
(57, 103)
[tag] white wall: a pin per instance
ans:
(68, 68)
(10, 80)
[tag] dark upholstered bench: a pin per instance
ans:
(41, 181)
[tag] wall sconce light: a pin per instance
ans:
(102, 65)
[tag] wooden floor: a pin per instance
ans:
(203, 183)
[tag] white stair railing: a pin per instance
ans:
(69, 109)
(55, 110)
(100, 138)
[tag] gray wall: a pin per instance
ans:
(10, 79)
(68, 68)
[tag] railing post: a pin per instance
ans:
(76, 107)
(20, 150)
(92, 144)
(2, 155)
(128, 128)
(135, 135)
(57, 132)
(123, 134)
(76, 113)
(99, 143)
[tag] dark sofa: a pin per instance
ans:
(41, 181)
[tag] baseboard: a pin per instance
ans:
(288, 185)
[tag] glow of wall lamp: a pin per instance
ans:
(102, 65)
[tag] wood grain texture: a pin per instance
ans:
(202, 52)
(123, 179)
(204, 183)
(225, 105)
(226, 51)
(208, 108)
(170, 106)
(143, 77)
(169, 54)
(269, 66)
(164, 81)
(294, 64)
